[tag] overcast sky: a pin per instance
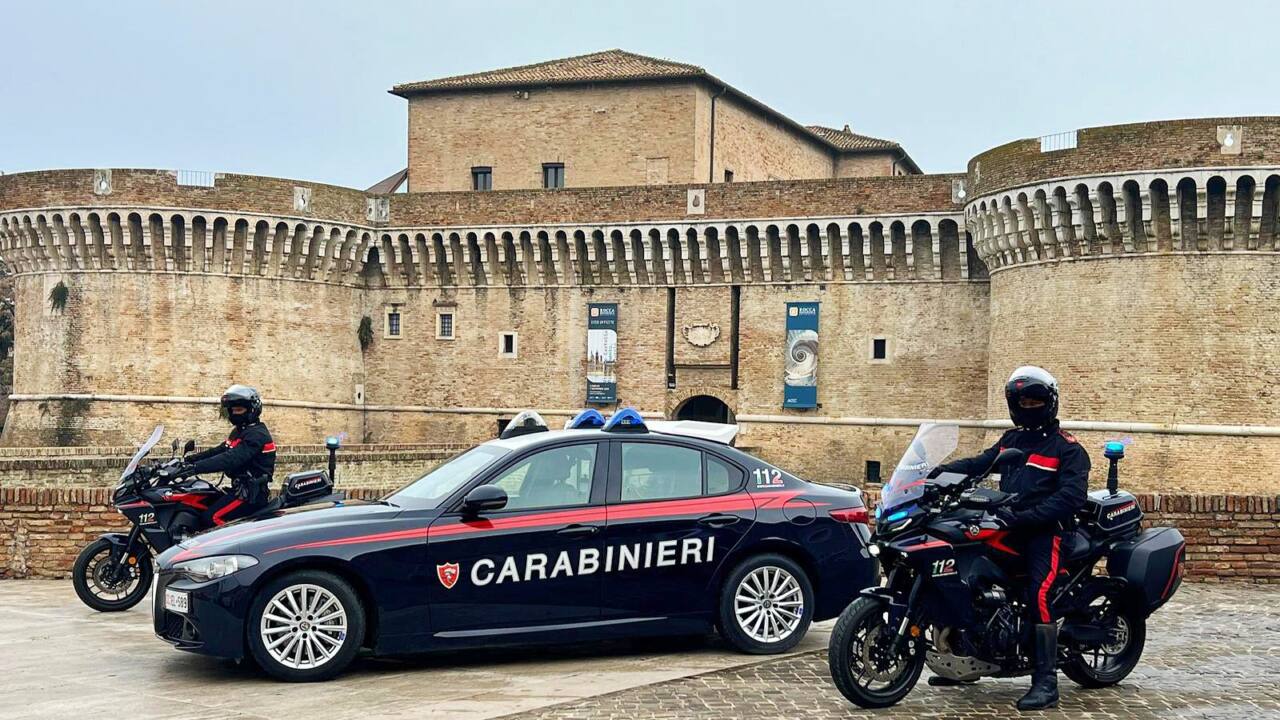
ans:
(298, 89)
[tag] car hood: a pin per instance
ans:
(249, 536)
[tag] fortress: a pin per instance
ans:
(1138, 263)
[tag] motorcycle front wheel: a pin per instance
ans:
(862, 663)
(94, 577)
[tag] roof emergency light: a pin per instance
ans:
(589, 418)
(523, 424)
(625, 420)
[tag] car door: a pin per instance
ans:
(532, 566)
(674, 513)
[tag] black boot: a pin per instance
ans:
(1044, 679)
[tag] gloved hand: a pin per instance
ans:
(1007, 517)
(170, 473)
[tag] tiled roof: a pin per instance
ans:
(599, 66)
(848, 140)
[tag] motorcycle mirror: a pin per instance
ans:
(190, 446)
(173, 446)
(1007, 455)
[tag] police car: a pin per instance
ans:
(609, 528)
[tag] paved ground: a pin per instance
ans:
(59, 659)
(1214, 654)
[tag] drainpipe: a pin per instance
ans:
(711, 162)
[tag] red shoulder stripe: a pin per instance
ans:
(1043, 462)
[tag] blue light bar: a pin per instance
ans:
(625, 420)
(896, 516)
(589, 418)
(1113, 449)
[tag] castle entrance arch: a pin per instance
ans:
(706, 408)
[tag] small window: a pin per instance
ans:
(481, 178)
(392, 327)
(873, 471)
(721, 477)
(444, 326)
(552, 175)
(508, 344)
(557, 477)
(879, 349)
(728, 176)
(651, 471)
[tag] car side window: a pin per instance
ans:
(555, 477)
(721, 476)
(652, 471)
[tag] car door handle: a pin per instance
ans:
(578, 530)
(718, 520)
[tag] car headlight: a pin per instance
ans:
(212, 568)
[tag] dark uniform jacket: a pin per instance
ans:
(248, 457)
(1052, 481)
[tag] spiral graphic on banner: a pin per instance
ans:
(802, 358)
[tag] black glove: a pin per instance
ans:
(1006, 517)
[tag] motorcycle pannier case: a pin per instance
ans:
(1152, 565)
(308, 485)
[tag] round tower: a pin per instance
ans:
(1141, 265)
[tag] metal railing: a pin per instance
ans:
(1058, 141)
(195, 178)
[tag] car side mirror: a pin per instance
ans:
(485, 498)
(189, 447)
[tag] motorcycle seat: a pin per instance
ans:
(1078, 546)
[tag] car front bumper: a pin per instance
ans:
(214, 623)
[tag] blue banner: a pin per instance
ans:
(800, 380)
(602, 353)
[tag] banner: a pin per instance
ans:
(800, 381)
(602, 353)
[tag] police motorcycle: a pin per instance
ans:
(114, 572)
(953, 599)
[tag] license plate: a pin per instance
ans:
(176, 601)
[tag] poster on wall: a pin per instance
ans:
(602, 353)
(800, 381)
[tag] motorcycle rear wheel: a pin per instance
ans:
(89, 576)
(1110, 663)
(859, 634)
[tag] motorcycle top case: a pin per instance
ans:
(300, 487)
(1112, 515)
(1151, 564)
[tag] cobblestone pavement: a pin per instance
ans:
(1211, 654)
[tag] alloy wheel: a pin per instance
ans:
(303, 626)
(768, 604)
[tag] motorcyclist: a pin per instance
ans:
(1051, 482)
(248, 458)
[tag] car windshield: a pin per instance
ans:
(142, 451)
(428, 490)
(931, 445)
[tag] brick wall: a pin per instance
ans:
(755, 147)
(1126, 148)
(1231, 538)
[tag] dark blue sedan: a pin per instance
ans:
(608, 529)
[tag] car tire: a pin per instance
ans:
(284, 636)
(766, 605)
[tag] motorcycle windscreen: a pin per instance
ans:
(931, 445)
(142, 451)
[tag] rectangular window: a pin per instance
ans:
(728, 176)
(652, 471)
(444, 326)
(879, 349)
(481, 178)
(392, 326)
(508, 344)
(873, 471)
(552, 175)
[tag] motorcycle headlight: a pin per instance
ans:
(212, 568)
